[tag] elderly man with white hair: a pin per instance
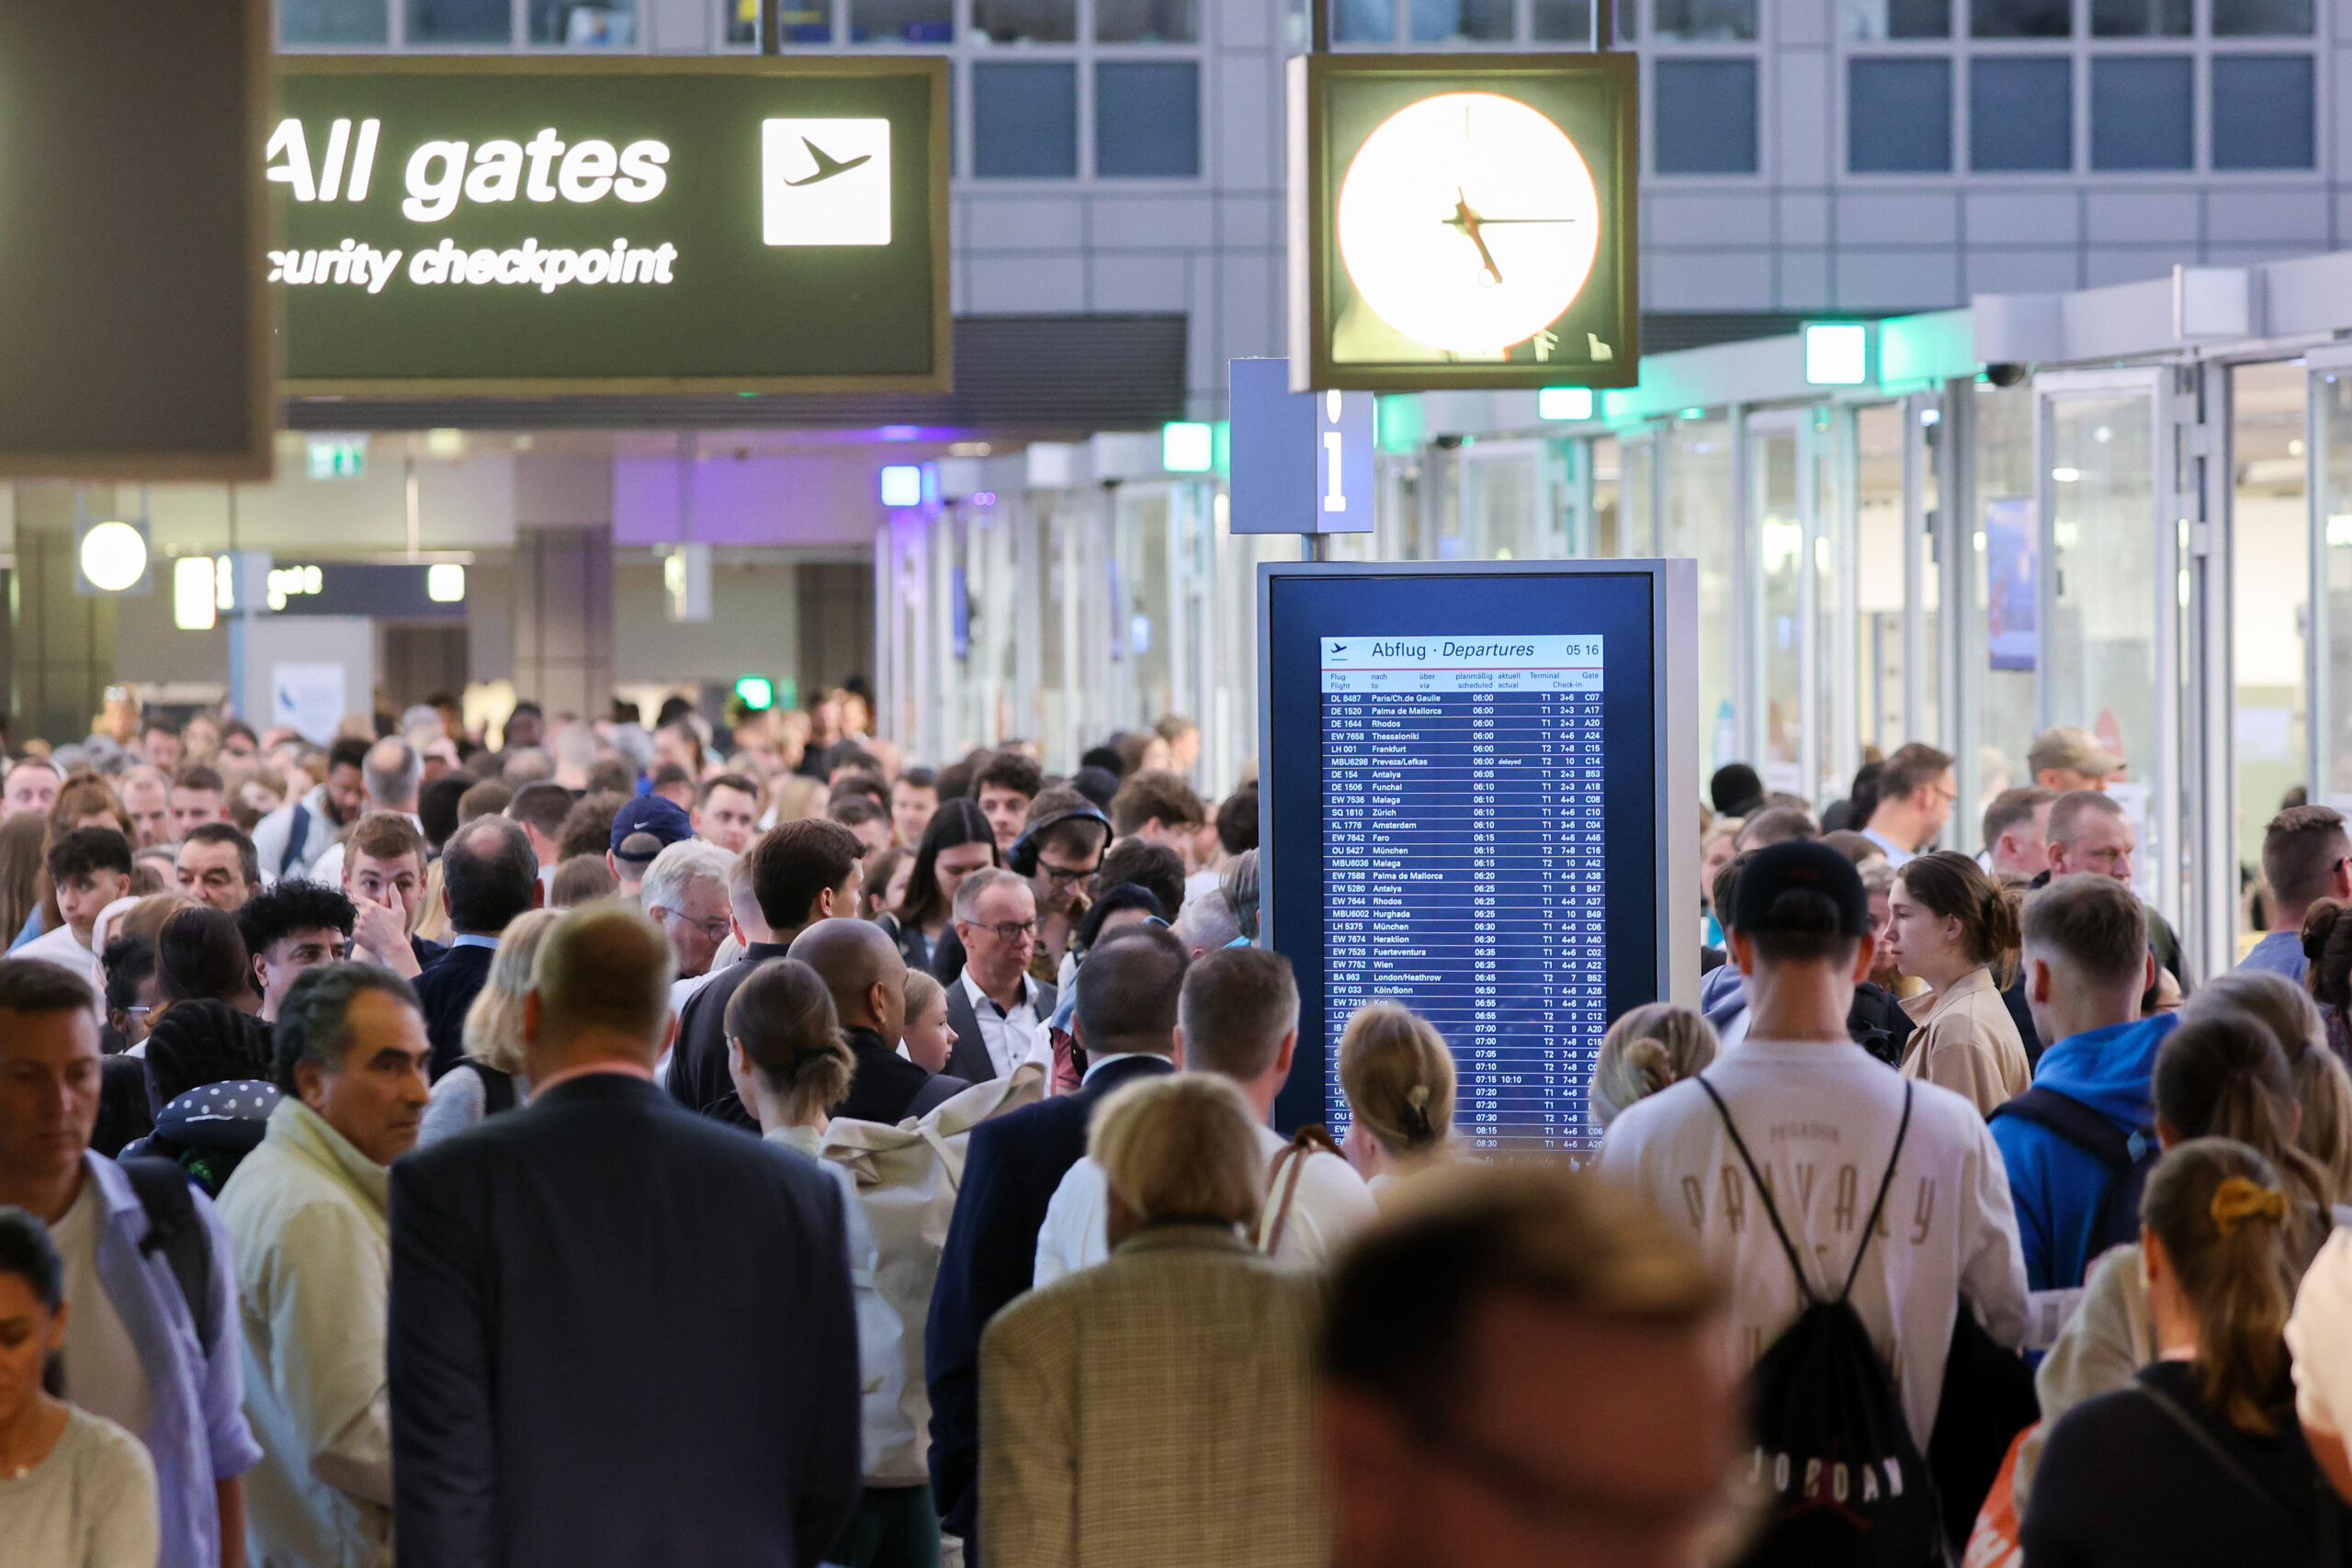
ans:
(686, 894)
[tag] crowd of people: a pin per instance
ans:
(732, 1145)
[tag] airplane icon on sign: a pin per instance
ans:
(827, 165)
(1338, 647)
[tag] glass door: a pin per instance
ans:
(2329, 438)
(1801, 687)
(2110, 599)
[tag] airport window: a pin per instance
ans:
(2020, 19)
(612, 25)
(1147, 21)
(1704, 114)
(1898, 19)
(2020, 113)
(1898, 116)
(2262, 18)
(2262, 111)
(1465, 21)
(333, 21)
(2140, 111)
(461, 21)
(1148, 120)
(1024, 21)
(1561, 21)
(2141, 19)
(1363, 21)
(901, 21)
(1709, 21)
(1024, 120)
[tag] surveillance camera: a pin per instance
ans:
(1448, 443)
(2005, 375)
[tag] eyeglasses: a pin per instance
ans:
(719, 927)
(1010, 932)
(1062, 875)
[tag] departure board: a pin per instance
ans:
(1463, 853)
(1478, 801)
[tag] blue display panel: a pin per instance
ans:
(1461, 772)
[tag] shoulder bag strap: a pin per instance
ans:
(2221, 1456)
(1763, 1193)
(298, 829)
(1902, 1130)
(1309, 1139)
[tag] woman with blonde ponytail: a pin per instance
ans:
(2219, 1075)
(1399, 1077)
(1646, 1049)
(2199, 1459)
(1950, 925)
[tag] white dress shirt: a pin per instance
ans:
(1010, 1034)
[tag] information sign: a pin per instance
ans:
(1495, 828)
(1464, 220)
(519, 224)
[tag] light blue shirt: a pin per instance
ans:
(197, 1433)
(2280, 953)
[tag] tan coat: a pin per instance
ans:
(1967, 1042)
(1155, 1409)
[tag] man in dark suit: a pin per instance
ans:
(862, 966)
(995, 1005)
(793, 876)
(541, 1414)
(1127, 1018)
(488, 875)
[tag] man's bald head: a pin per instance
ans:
(862, 966)
(393, 772)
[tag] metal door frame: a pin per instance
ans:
(1801, 423)
(2171, 509)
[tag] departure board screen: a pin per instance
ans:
(1463, 849)
(1460, 814)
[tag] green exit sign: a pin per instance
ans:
(337, 457)
(502, 224)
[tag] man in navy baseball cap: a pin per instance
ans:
(641, 830)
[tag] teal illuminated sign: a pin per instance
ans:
(503, 224)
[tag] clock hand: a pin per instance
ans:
(1466, 218)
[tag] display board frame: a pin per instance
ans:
(1314, 195)
(1671, 587)
(939, 378)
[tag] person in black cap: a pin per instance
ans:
(641, 830)
(1819, 1125)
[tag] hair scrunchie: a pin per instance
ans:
(2240, 1197)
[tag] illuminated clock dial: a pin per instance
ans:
(1468, 222)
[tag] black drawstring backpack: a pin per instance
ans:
(1832, 1444)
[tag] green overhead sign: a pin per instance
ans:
(503, 224)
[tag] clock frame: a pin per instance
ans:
(1337, 101)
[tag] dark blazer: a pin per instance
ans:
(698, 1076)
(968, 1058)
(1011, 1168)
(947, 956)
(446, 990)
(427, 953)
(887, 1086)
(545, 1412)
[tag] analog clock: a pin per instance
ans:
(1467, 222)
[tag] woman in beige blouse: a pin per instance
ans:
(1950, 927)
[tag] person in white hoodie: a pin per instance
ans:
(307, 1217)
(1821, 1118)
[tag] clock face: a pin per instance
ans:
(1467, 222)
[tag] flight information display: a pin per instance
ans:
(1463, 778)
(1463, 851)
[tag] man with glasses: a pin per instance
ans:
(1059, 851)
(2090, 834)
(684, 893)
(996, 1006)
(1915, 790)
(2305, 857)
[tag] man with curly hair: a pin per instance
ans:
(293, 926)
